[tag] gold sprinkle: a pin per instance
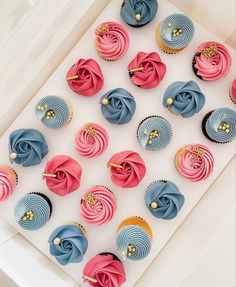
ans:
(90, 199)
(210, 51)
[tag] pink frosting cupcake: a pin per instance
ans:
(146, 70)
(127, 169)
(8, 182)
(212, 61)
(232, 91)
(98, 205)
(62, 174)
(85, 77)
(195, 162)
(112, 41)
(104, 270)
(91, 140)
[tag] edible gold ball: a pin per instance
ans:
(169, 24)
(154, 205)
(227, 131)
(57, 241)
(13, 155)
(105, 101)
(169, 101)
(138, 17)
(123, 253)
(227, 126)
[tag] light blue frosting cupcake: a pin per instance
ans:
(68, 244)
(220, 126)
(138, 13)
(118, 106)
(163, 199)
(177, 31)
(154, 133)
(53, 112)
(27, 147)
(184, 98)
(33, 211)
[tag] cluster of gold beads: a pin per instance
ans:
(28, 215)
(50, 114)
(90, 199)
(131, 249)
(198, 150)
(152, 135)
(224, 127)
(210, 51)
(42, 108)
(176, 32)
(138, 17)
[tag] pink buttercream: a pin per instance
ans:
(91, 140)
(107, 271)
(89, 79)
(98, 205)
(131, 171)
(67, 173)
(153, 70)
(112, 41)
(213, 67)
(7, 184)
(233, 91)
(195, 165)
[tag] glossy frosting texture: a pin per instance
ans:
(212, 61)
(28, 145)
(67, 172)
(98, 205)
(127, 169)
(120, 107)
(166, 197)
(107, 270)
(91, 140)
(233, 91)
(147, 9)
(153, 70)
(112, 41)
(195, 162)
(177, 21)
(85, 77)
(160, 127)
(7, 184)
(187, 98)
(68, 244)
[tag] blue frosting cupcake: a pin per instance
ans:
(27, 147)
(68, 243)
(154, 133)
(33, 211)
(118, 106)
(184, 98)
(53, 112)
(220, 125)
(138, 13)
(163, 199)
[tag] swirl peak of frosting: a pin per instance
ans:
(8, 181)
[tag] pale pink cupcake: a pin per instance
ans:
(91, 140)
(232, 91)
(98, 205)
(8, 182)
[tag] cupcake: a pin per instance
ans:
(184, 98)
(175, 33)
(138, 13)
(8, 182)
(127, 169)
(54, 112)
(232, 91)
(134, 238)
(27, 147)
(91, 140)
(68, 243)
(62, 174)
(85, 77)
(112, 41)
(104, 270)
(212, 61)
(219, 126)
(118, 106)
(154, 133)
(146, 70)
(98, 205)
(163, 199)
(33, 211)
(194, 162)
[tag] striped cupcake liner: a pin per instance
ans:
(231, 96)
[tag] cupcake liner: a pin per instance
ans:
(195, 69)
(12, 172)
(44, 196)
(130, 76)
(160, 180)
(70, 111)
(231, 96)
(78, 225)
(113, 255)
(178, 153)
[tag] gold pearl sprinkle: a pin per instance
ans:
(138, 17)
(154, 205)
(105, 101)
(169, 102)
(169, 25)
(13, 155)
(57, 241)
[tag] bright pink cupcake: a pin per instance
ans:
(8, 182)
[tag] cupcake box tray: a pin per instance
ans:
(160, 164)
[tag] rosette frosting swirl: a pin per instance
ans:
(184, 98)
(127, 169)
(62, 174)
(7, 184)
(195, 162)
(112, 41)
(98, 205)
(85, 77)
(68, 244)
(146, 70)
(212, 61)
(118, 106)
(27, 147)
(163, 199)
(138, 13)
(91, 140)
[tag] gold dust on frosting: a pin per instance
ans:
(210, 51)
(224, 127)
(90, 130)
(198, 150)
(103, 28)
(90, 199)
